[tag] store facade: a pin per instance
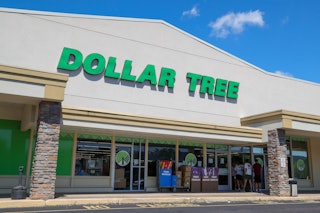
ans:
(90, 104)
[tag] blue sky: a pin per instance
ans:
(279, 36)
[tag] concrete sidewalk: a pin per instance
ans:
(151, 198)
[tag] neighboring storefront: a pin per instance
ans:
(91, 104)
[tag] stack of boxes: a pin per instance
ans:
(197, 179)
(119, 180)
(186, 176)
(179, 178)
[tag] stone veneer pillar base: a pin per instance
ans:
(278, 179)
(46, 152)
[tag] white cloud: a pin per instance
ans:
(192, 13)
(235, 23)
(282, 73)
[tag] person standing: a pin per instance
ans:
(257, 170)
(247, 175)
(233, 174)
(239, 175)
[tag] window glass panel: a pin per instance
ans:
(288, 146)
(159, 152)
(138, 154)
(257, 150)
(221, 147)
(236, 149)
(300, 159)
(93, 158)
(196, 151)
(211, 158)
(240, 149)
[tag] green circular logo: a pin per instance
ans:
(300, 165)
(122, 158)
(191, 159)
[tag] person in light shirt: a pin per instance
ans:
(239, 175)
(247, 175)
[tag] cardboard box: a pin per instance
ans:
(119, 173)
(186, 179)
(178, 174)
(186, 168)
(186, 174)
(179, 182)
(120, 183)
(186, 182)
(195, 184)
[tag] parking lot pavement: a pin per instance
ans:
(152, 198)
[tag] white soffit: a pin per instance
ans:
(22, 89)
(300, 125)
(171, 133)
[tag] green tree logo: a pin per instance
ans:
(301, 165)
(191, 159)
(122, 158)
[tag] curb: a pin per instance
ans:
(8, 203)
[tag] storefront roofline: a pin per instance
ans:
(124, 124)
(53, 84)
(294, 123)
(286, 117)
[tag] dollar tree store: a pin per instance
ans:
(78, 91)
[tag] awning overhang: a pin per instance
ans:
(295, 123)
(77, 119)
(22, 89)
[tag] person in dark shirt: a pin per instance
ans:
(257, 170)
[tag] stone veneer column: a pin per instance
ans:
(46, 152)
(278, 179)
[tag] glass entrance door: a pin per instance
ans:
(138, 167)
(129, 167)
(223, 178)
(123, 165)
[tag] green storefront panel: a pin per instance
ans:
(14, 146)
(65, 154)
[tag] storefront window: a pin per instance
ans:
(93, 158)
(159, 152)
(240, 149)
(211, 162)
(138, 154)
(221, 147)
(288, 146)
(298, 158)
(191, 156)
(258, 150)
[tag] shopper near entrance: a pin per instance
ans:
(257, 170)
(233, 174)
(247, 175)
(239, 175)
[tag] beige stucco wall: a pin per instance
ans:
(147, 42)
(315, 159)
